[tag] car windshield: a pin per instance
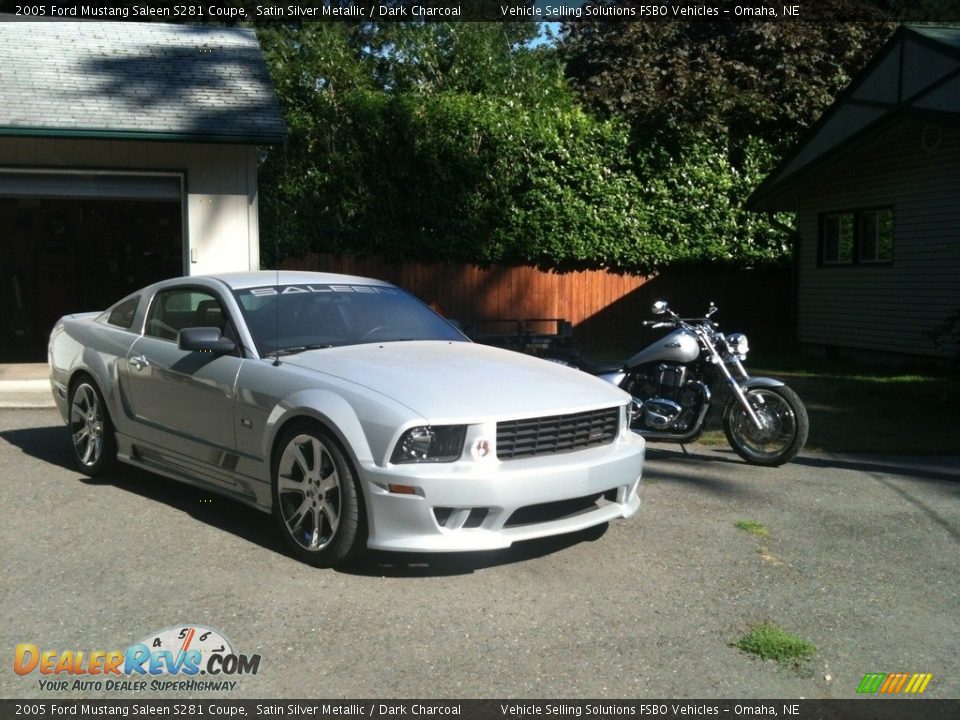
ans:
(293, 318)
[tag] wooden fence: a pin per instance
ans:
(604, 307)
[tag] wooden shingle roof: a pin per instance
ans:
(136, 80)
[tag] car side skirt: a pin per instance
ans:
(250, 491)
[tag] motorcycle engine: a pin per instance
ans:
(671, 402)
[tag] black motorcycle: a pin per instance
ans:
(673, 380)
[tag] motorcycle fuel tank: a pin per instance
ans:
(680, 346)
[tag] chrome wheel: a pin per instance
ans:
(783, 431)
(87, 425)
(309, 492)
(317, 499)
(91, 430)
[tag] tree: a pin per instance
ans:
(440, 141)
(712, 107)
(463, 142)
(724, 79)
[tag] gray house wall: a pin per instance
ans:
(886, 308)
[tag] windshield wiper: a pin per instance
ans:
(300, 349)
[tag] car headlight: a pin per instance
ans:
(426, 443)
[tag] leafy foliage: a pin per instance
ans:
(463, 142)
(712, 106)
(736, 79)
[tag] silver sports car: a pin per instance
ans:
(347, 408)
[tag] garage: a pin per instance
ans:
(128, 154)
(56, 222)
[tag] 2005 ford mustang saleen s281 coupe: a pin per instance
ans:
(348, 409)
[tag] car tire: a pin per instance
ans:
(92, 435)
(317, 500)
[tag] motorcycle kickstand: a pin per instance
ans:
(684, 448)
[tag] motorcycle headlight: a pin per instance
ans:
(426, 443)
(737, 342)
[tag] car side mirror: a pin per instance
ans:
(205, 339)
(659, 307)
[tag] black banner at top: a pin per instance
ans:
(233, 11)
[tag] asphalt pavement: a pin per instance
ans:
(861, 560)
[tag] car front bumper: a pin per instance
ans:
(489, 504)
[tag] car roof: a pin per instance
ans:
(261, 278)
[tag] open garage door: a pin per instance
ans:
(79, 241)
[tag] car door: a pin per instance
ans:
(183, 402)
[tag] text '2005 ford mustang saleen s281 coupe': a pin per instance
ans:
(349, 409)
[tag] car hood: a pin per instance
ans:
(450, 381)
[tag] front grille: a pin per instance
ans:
(556, 433)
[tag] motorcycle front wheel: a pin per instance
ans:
(784, 420)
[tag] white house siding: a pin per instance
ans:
(886, 308)
(221, 227)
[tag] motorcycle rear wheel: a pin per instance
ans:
(785, 426)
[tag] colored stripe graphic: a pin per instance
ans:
(889, 682)
(894, 683)
(918, 683)
(871, 683)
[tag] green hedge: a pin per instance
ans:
(477, 179)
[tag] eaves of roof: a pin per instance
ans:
(765, 196)
(152, 135)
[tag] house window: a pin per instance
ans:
(876, 236)
(838, 238)
(856, 237)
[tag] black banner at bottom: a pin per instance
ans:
(859, 709)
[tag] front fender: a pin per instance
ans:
(336, 414)
(760, 382)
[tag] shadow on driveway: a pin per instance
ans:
(52, 445)
(900, 466)
(887, 473)
(412, 565)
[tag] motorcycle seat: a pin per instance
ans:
(598, 368)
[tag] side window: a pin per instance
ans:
(858, 237)
(173, 310)
(838, 238)
(122, 315)
(876, 236)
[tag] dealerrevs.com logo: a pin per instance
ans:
(183, 657)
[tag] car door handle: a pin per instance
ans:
(139, 362)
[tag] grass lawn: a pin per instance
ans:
(770, 642)
(854, 408)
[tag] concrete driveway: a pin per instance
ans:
(861, 560)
